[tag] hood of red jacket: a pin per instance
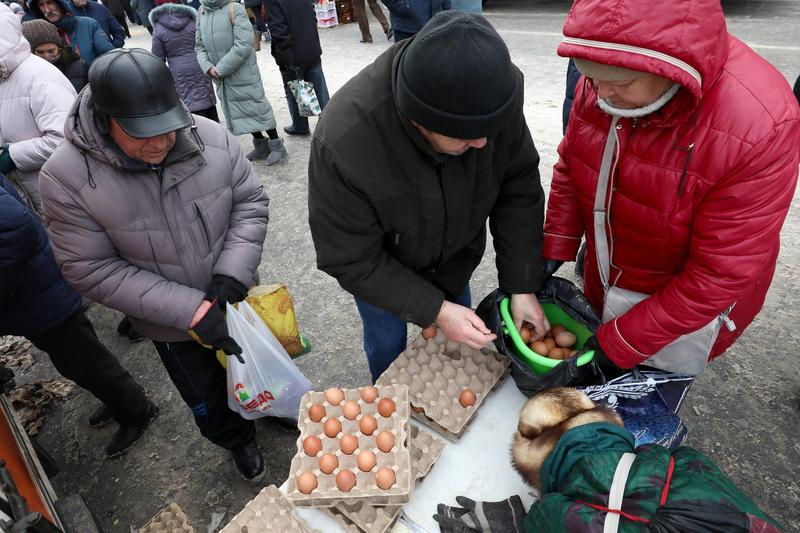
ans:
(685, 41)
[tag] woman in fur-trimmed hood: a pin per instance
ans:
(174, 27)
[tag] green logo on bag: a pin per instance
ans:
(241, 393)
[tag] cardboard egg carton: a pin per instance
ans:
(268, 512)
(436, 371)
(366, 490)
(170, 519)
(425, 450)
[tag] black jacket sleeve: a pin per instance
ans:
(280, 28)
(348, 239)
(517, 218)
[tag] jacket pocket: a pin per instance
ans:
(203, 224)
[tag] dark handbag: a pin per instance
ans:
(571, 300)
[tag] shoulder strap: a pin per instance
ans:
(601, 245)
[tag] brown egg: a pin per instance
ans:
(550, 344)
(418, 410)
(540, 348)
(351, 410)
(556, 329)
(556, 353)
(306, 482)
(466, 398)
(368, 424)
(334, 396)
(525, 334)
(385, 478)
(429, 332)
(328, 463)
(348, 444)
(312, 445)
(566, 339)
(366, 461)
(368, 394)
(386, 407)
(385, 441)
(316, 412)
(345, 480)
(332, 427)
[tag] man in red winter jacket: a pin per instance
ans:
(693, 140)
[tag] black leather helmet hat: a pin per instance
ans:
(137, 89)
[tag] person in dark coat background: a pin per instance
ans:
(174, 28)
(118, 10)
(409, 16)
(36, 302)
(107, 21)
(296, 49)
(142, 9)
(82, 34)
(46, 43)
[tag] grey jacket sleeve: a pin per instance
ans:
(349, 243)
(241, 253)
(91, 264)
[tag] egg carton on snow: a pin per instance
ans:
(327, 494)
(436, 371)
(170, 519)
(425, 450)
(268, 512)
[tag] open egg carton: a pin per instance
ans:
(268, 512)
(360, 517)
(437, 372)
(366, 489)
(170, 519)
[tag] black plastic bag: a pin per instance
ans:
(568, 374)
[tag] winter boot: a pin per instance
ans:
(100, 417)
(260, 150)
(128, 433)
(277, 151)
(249, 462)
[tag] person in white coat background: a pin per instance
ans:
(35, 98)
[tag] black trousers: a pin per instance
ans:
(201, 383)
(78, 354)
(209, 112)
(124, 24)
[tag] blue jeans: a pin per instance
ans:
(317, 77)
(385, 334)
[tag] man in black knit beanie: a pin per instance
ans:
(410, 159)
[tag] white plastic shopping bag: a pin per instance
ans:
(268, 383)
(306, 98)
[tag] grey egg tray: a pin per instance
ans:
(268, 512)
(365, 518)
(170, 519)
(436, 371)
(399, 458)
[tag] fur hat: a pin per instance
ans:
(39, 32)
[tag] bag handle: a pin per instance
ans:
(601, 246)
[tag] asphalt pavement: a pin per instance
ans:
(744, 411)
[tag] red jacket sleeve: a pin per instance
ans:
(735, 233)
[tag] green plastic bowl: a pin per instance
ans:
(539, 364)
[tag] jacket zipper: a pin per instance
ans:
(674, 61)
(729, 324)
(444, 210)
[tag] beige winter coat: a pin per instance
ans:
(146, 240)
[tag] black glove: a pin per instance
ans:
(6, 163)
(294, 72)
(225, 289)
(609, 368)
(481, 517)
(549, 267)
(212, 333)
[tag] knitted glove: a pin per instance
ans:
(481, 517)
(225, 289)
(212, 332)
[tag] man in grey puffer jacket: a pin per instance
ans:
(157, 213)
